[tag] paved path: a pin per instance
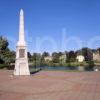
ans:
(50, 85)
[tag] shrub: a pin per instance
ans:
(3, 66)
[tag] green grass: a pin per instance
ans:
(2, 66)
(61, 70)
(34, 69)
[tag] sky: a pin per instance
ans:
(52, 25)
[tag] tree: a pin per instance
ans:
(71, 56)
(60, 54)
(3, 43)
(36, 57)
(3, 48)
(55, 56)
(45, 54)
(9, 57)
(98, 50)
(6, 56)
(87, 53)
(29, 56)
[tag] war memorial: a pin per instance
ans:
(21, 64)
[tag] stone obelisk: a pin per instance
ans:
(21, 63)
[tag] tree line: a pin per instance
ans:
(7, 56)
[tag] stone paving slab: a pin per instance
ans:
(50, 85)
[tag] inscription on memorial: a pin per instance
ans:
(21, 53)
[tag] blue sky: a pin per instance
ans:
(54, 20)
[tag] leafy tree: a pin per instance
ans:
(55, 56)
(29, 56)
(71, 56)
(6, 56)
(3, 43)
(1, 60)
(3, 47)
(94, 50)
(87, 53)
(60, 54)
(45, 54)
(98, 50)
(36, 57)
(9, 56)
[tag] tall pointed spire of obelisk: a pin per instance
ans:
(21, 27)
(21, 63)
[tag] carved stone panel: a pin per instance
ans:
(21, 53)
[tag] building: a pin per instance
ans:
(62, 58)
(96, 56)
(80, 58)
(48, 58)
